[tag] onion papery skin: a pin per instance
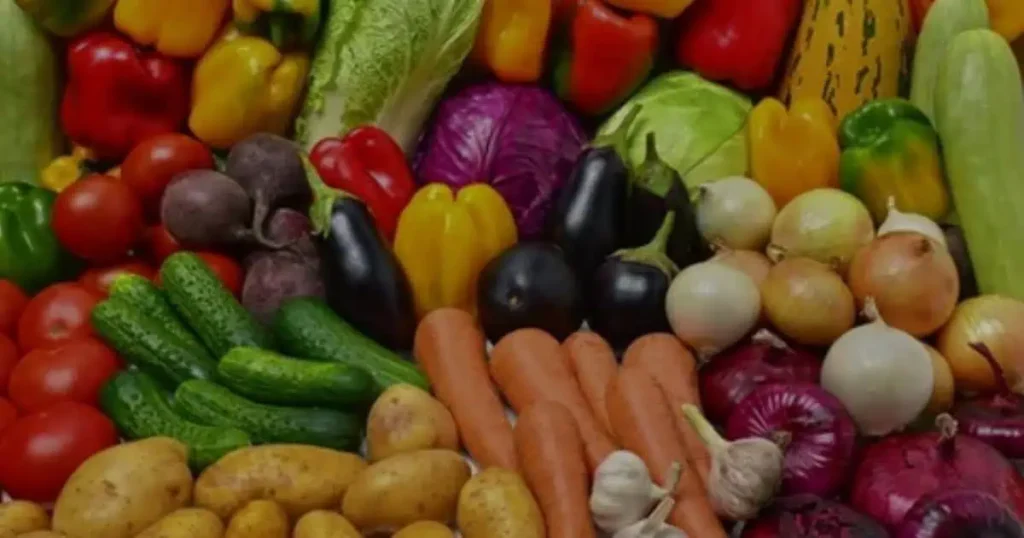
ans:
(960, 514)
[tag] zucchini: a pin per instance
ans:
(146, 343)
(308, 328)
(208, 307)
(139, 292)
(267, 377)
(979, 112)
(139, 408)
(209, 403)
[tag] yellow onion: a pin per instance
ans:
(944, 387)
(912, 279)
(807, 301)
(751, 262)
(827, 225)
(993, 320)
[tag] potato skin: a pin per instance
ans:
(120, 491)
(259, 519)
(186, 523)
(19, 517)
(406, 418)
(425, 529)
(41, 534)
(406, 488)
(300, 478)
(324, 524)
(497, 503)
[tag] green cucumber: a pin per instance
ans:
(308, 328)
(209, 403)
(208, 307)
(147, 344)
(139, 408)
(268, 377)
(139, 292)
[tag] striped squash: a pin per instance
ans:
(849, 52)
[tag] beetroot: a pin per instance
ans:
(997, 419)
(820, 436)
(960, 514)
(207, 209)
(901, 469)
(766, 359)
(808, 516)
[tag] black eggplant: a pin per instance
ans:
(589, 216)
(365, 284)
(957, 245)
(627, 294)
(655, 190)
(529, 285)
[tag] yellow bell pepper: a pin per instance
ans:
(1007, 17)
(443, 241)
(180, 28)
(243, 86)
(507, 40)
(287, 23)
(65, 170)
(793, 151)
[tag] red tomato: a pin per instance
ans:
(160, 243)
(8, 414)
(151, 165)
(40, 451)
(12, 302)
(58, 313)
(98, 218)
(99, 280)
(8, 358)
(70, 371)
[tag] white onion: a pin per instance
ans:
(735, 212)
(898, 221)
(882, 375)
(711, 306)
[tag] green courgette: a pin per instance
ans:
(209, 403)
(208, 307)
(308, 328)
(139, 408)
(267, 377)
(141, 293)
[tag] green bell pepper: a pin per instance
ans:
(30, 254)
(891, 158)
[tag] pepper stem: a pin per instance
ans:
(655, 175)
(323, 197)
(997, 369)
(704, 428)
(618, 138)
(653, 253)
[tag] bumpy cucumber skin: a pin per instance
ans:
(209, 403)
(145, 343)
(308, 328)
(267, 377)
(148, 299)
(208, 307)
(139, 408)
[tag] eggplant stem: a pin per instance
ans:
(705, 430)
(767, 337)
(324, 197)
(618, 138)
(997, 369)
(653, 253)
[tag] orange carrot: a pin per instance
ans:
(551, 455)
(452, 352)
(644, 425)
(593, 363)
(529, 366)
(674, 369)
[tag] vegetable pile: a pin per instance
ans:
(543, 269)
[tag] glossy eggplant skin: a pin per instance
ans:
(365, 283)
(960, 514)
(627, 301)
(529, 285)
(590, 213)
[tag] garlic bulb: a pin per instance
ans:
(623, 491)
(898, 221)
(654, 526)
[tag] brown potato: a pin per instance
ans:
(259, 519)
(298, 477)
(406, 418)
(324, 524)
(425, 529)
(406, 488)
(497, 503)
(41, 534)
(19, 517)
(186, 523)
(120, 491)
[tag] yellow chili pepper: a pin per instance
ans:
(181, 28)
(243, 86)
(793, 151)
(443, 241)
(65, 170)
(507, 41)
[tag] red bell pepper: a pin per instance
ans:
(118, 95)
(370, 165)
(737, 41)
(609, 55)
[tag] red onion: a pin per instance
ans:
(960, 514)
(899, 470)
(997, 419)
(766, 359)
(821, 435)
(808, 516)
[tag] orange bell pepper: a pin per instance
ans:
(513, 37)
